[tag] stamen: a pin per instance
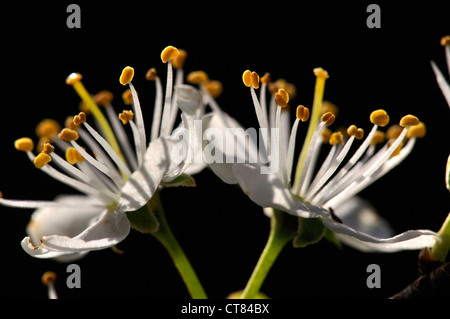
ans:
(79, 119)
(327, 106)
(197, 77)
(68, 135)
(126, 76)
(126, 116)
(326, 133)
(302, 113)
(394, 131)
(336, 138)
(114, 156)
(24, 144)
(127, 97)
(247, 78)
(169, 53)
(255, 80)
(151, 74)
(417, 131)
(214, 88)
(282, 98)
(379, 137)
(68, 123)
(48, 128)
(48, 148)
(409, 120)
(41, 160)
(445, 40)
(352, 130)
(265, 79)
(73, 156)
(103, 98)
(179, 60)
(359, 134)
(379, 117)
(328, 118)
(48, 279)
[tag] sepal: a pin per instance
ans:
(310, 231)
(143, 220)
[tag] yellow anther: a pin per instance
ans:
(359, 134)
(48, 278)
(336, 138)
(255, 80)
(179, 60)
(266, 78)
(79, 119)
(445, 40)
(329, 107)
(352, 130)
(24, 144)
(247, 78)
(379, 117)
(103, 98)
(326, 134)
(214, 88)
(282, 98)
(197, 77)
(302, 113)
(42, 141)
(126, 116)
(409, 120)
(283, 84)
(394, 131)
(1, 194)
(48, 127)
(169, 53)
(321, 73)
(397, 150)
(73, 156)
(127, 97)
(378, 138)
(68, 135)
(48, 148)
(328, 118)
(84, 107)
(73, 78)
(42, 159)
(68, 123)
(151, 74)
(127, 75)
(417, 131)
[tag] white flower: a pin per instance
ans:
(443, 84)
(117, 179)
(335, 183)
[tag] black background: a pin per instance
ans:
(221, 230)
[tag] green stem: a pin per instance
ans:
(440, 249)
(168, 240)
(282, 231)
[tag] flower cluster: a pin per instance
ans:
(118, 177)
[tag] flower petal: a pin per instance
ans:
(109, 229)
(409, 240)
(267, 190)
(359, 214)
(67, 221)
(143, 183)
(43, 253)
